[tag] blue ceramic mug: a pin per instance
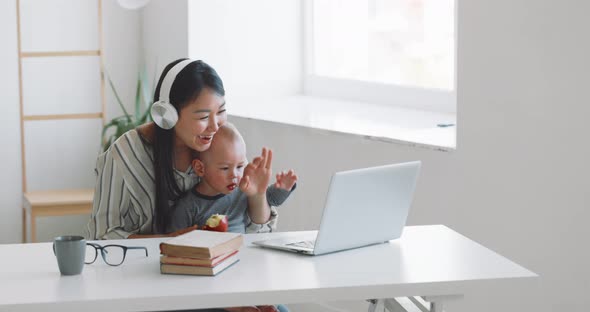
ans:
(70, 252)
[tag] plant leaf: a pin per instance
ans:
(145, 88)
(146, 116)
(126, 122)
(107, 126)
(106, 141)
(117, 96)
(122, 126)
(153, 86)
(137, 97)
(148, 94)
(148, 102)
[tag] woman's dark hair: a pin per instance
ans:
(187, 86)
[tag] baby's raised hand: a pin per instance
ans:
(257, 174)
(286, 180)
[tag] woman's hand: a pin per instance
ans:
(182, 231)
(286, 180)
(257, 174)
(179, 232)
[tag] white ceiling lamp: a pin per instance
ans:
(133, 4)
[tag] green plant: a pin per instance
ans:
(121, 124)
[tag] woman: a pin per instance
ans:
(141, 175)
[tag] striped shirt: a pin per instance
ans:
(124, 194)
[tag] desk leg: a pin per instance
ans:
(372, 305)
(436, 302)
(389, 304)
(33, 228)
(24, 225)
(424, 304)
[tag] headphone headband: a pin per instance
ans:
(169, 79)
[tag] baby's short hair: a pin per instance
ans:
(228, 133)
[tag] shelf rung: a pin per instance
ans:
(60, 53)
(62, 116)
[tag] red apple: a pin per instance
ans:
(216, 223)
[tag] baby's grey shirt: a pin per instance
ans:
(195, 208)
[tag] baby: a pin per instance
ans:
(232, 187)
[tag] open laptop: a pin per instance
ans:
(363, 207)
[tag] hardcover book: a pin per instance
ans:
(198, 270)
(202, 244)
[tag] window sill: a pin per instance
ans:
(375, 122)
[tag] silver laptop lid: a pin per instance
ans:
(366, 206)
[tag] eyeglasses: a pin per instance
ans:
(111, 254)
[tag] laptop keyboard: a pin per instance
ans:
(304, 244)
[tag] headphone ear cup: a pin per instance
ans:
(164, 115)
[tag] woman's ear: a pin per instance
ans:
(198, 167)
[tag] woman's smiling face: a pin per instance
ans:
(199, 120)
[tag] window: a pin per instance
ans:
(400, 51)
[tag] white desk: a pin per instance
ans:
(426, 261)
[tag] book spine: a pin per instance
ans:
(196, 262)
(228, 246)
(184, 252)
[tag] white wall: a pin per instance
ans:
(10, 161)
(255, 45)
(523, 147)
(121, 48)
(164, 31)
(123, 54)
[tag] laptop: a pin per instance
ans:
(363, 207)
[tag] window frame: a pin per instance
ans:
(419, 98)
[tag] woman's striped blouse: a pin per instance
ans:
(124, 195)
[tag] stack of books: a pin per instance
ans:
(200, 252)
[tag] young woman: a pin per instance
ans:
(146, 170)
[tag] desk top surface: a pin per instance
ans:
(427, 260)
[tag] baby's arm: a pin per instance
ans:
(286, 180)
(254, 183)
(277, 193)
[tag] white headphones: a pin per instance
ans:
(163, 112)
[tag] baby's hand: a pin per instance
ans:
(257, 174)
(286, 180)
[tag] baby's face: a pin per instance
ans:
(224, 166)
